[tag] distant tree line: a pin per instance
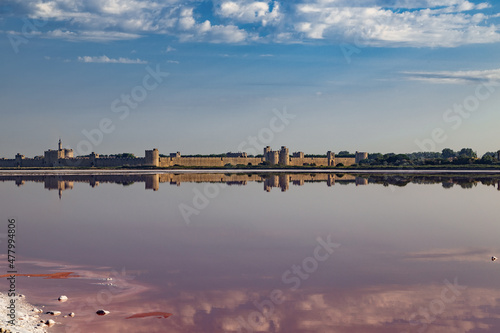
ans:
(446, 156)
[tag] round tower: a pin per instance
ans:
(267, 153)
(284, 156)
(152, 158)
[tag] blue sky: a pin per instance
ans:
(368, 75)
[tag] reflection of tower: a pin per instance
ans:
(267, 185)
(270, 182)
(361, 181)
(55, 183)
(284, 182)
(93, 182)
(298, 182)
(153, 182)
(330, 180)
(275, 181)
(281, 181)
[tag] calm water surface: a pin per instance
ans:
(250, 253)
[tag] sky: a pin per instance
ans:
(215, 76)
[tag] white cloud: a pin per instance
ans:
(105, 59)
(95, 36)
(367, 23)
(457, 77)
(248, 11)
(224, 34)
(103, 20)
(384, 23)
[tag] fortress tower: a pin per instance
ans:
(331, 158)
(284, 156)
(281, 157)
(52, 157)
(152, 158)
(361, 156)
(271, 156)
(19, 159)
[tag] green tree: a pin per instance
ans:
(447, 153)
(487, 159)
(491, 153)
(375, 156)
(463, 159)
(468, 152)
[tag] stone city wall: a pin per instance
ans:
(346, 161)
(208, 161)
(319, 161)
(8, 163)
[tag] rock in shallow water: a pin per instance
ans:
(50, 323)
(53, 313)
(102, 312)
(62, 298)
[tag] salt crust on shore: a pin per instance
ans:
(23, 310)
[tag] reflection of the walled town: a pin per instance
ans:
(282, 181)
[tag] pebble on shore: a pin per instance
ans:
(62, 298)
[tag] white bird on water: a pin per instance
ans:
(493, 258)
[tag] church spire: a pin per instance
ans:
(60, 144)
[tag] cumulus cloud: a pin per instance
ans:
(456, 77)
(102, 20)
(105, 59)
(439, 23)
(248, 11)
(384, 23)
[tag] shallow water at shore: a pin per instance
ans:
(280, 253)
